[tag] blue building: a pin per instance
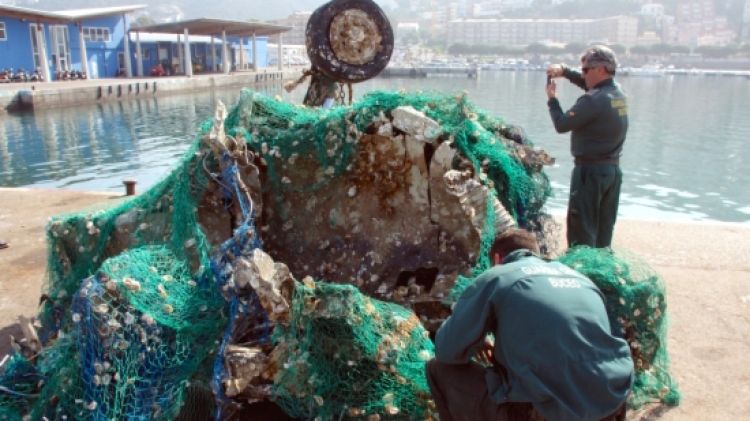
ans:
(87, 40)
(93, 41)
(206, 53)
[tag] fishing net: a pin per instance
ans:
(318, 165)
(138, 335)
(144, 323)
(350, 355)
(18, 386)
(635, 298)
(130, 309)
(390, 204)
(284, 133)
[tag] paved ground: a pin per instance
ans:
(706, 268)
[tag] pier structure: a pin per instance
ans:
(42, 95)
(426, 71)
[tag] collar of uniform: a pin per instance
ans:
(605, 82)
(516, 255)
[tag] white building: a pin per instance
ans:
(615, 30)
(518, 31)
(698, 24)
(293, 55)
(407, 27)
(649, 38)
(496, 8)
(655, 10)
(298, 22)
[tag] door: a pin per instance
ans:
(35, 45)
(120, 64)
(60, 47)
(162, 57)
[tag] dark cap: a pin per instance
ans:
(600, 55)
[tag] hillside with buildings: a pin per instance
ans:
(483, 22)
(691, 23)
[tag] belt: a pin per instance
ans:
(587, 161)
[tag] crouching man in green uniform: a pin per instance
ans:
(555, 355)
(598, 122)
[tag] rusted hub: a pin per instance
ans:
(349, 41)
(354, 37)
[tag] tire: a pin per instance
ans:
(324, 56)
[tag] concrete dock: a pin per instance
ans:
(705, 267)
(41, 95)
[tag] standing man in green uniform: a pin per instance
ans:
(598, 122)
(555, 356)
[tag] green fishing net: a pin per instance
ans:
(284, 134)
(18, 387)
(635, 300)
(280, 131)
(345, 354)
(138, 306)
(137, 338)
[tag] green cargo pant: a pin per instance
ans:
(460, 394)
(592, 206)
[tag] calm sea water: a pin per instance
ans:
(684, 158)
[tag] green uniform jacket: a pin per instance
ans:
(552, 336)
(598, 120)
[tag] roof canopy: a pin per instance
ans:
(99, 12)
(65, 16)
(207, 26)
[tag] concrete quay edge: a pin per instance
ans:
(45, 95)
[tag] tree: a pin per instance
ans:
(680, 49)
(618, 48)
(575, 47)
(715, 51)
(457, 49)
(537, 48)
(640, 49)
(143, 20)
(660, 49)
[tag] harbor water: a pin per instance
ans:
(683, 158)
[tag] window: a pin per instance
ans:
(34, 44)
(95, 34)
(60, 47)
(3, 35)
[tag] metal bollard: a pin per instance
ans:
(129, 187)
